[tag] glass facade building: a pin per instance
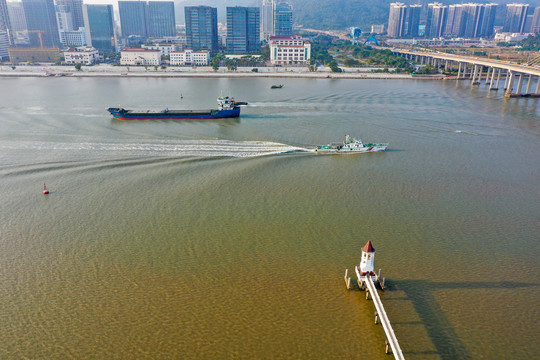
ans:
(283, 19)
(243, 29)
(41, 20)
(98, 21)
(201, 28)
(133, 18)
(161, 19)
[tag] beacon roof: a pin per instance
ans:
(368, 247)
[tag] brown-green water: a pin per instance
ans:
(211, 239)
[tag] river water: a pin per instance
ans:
(222, 239)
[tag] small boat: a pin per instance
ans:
(350, 147)
(45, 191)
(276, 86)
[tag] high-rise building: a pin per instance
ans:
(5, 23)
(147, 19)
(471, 20)
(70, 34)
(436, 20)
(161, 20)
(283, 19)
(74, 7)
(397, 20)
(16, 16)
(98, 21)
(535, 25)
(516, 14)
(41, 23)
(243, 29)
(403, 20)
(267, 19)
(4, 45)
(133, 18)
(201, 28)
(413, 19)
(453, 22)
(488, 20)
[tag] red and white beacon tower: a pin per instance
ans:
(367, 264)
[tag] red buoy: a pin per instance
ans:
(45, 191)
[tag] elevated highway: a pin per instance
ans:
(473, 68)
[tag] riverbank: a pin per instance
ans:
(207, 72)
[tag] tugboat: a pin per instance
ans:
(227, 108)
(276, 86)
(350, 147)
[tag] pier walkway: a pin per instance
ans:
(392, 339)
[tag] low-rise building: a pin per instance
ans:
(166, 49)
(86, 55)
(289, 50)
(190, 57)
(135, 56)
(511, 37)
(18, 55)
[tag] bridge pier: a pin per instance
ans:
(529, 84)
(498, 78)
(487, 75)
(473, 68)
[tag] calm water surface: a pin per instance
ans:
(226, 239)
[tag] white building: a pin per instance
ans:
(190, 57)
(289, 50)
(377, 29)
(73, 38)
(511, 37)
(166, 49)
(134, 56)
(85, 55)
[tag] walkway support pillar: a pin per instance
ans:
(537, 86)
(459, 71)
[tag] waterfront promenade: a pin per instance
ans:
(140, 71)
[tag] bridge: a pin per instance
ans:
(515, 75)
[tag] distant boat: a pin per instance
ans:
(45, 191)
(276, 86)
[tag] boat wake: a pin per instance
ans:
(169, 148)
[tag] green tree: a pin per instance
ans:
(78, 66)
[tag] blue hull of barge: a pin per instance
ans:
(124, 114)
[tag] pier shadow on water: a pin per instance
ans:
(442, 334)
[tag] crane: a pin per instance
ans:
(39, 32)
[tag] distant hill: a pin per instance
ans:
(335, 14)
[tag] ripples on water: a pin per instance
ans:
(220, 239)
